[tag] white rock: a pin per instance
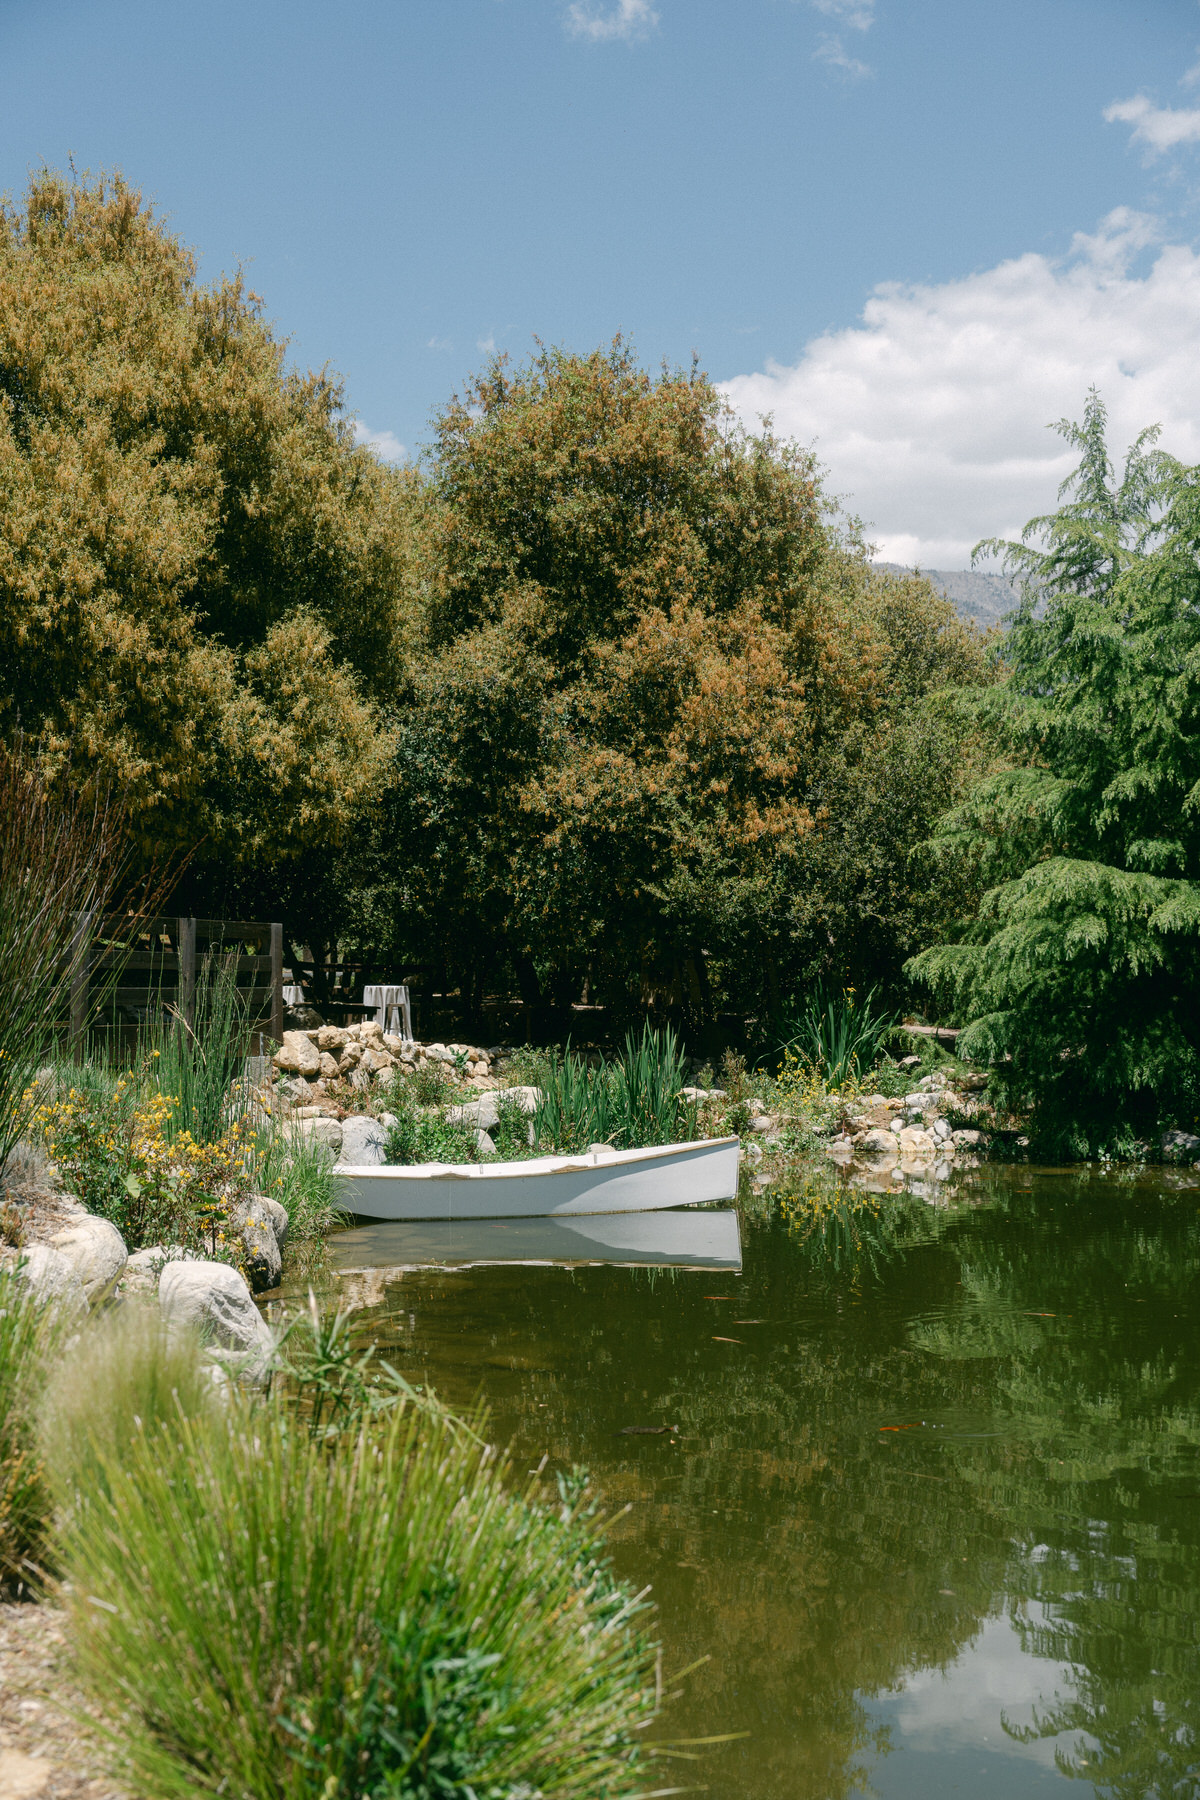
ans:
(877, 1146)
(51, 1275)
(483, 1114)
(321, 1131)
(298, 1055)
(941, 1129)
(214, 1300)
(364, 1143)
(527, 1098)
(484, 1145)
(96, 1251)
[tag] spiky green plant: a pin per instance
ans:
(633, 1102)
(646, 1098)
(266, 1614)
(574, 1108)
(197, 1060)
(839, 1035)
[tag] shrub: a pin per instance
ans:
(298, 1172)
(419, 1137)
(265, 1616)
(117, 1154)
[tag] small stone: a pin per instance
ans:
(484, 1114)
(484, 1145)
(1180, 1146)
(332, 1037)
(329, 1066)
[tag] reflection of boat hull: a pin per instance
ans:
(700, 1240)
(611, 1181)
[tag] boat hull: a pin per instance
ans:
(547, 1186)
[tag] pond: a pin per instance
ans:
(932, 1503)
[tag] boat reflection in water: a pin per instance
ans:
(688, 1240)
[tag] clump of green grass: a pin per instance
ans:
(839, 1035)
(298, 1172)
(635, 1101)
(284, 1615)
(197, 1061)
(28, 1332)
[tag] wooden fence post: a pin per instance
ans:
(185, 997)
(277, 982)
(81, 957)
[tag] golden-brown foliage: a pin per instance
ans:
(199, 572)
(657, 672)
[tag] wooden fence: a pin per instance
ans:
(122, 975)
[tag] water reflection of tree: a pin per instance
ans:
(818, 1559)
(1091, 1320)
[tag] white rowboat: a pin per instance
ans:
(600, 1181)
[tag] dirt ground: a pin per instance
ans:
(45, 1754)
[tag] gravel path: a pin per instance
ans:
(44, 1754)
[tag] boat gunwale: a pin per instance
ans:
(533, 1168)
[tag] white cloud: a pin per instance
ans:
(437, 343)
(854, 15)
(1160, 128)
(859, 15)
(487, 344)
(831, 50)
(385, 444)
(930, 414)
(627, 20)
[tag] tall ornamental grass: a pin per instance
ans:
(263, 1615)
(60, 857)
(27, 1335)
(198, 1061)
(633, 1102)
(837, 1035)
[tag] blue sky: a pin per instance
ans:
(410, 183)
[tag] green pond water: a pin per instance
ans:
(932, 1507)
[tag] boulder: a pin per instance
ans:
(527, 1098)
(877, 1145)
(298, 1091)
(51, 1275)
(364, 1143)
(215, 1301)
(96, 1251)
(349, 1058)
(262, 1257)
(332, 1037)
(483, 1114)
(484, 1145)
(322, 1130)
(298, 1055)
(329, 1066)
(396, 1046)
(1180, 1146)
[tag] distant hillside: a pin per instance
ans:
(982, 598)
